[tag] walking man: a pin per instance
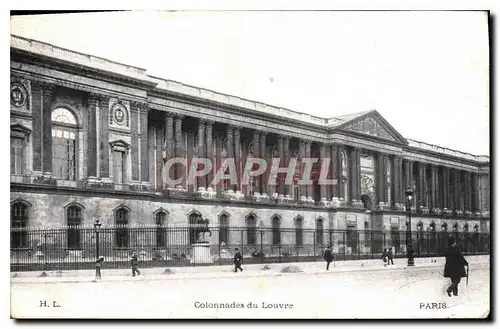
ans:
(454, 267)
(237, 260)
(134, 264)
(390, 257)
(328, 256)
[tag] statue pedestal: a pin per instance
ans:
(201, 253)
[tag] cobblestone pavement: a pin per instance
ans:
(416, 292)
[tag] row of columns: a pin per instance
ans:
(442, 188)
(439, 188)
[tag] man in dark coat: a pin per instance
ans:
(390, 257)
(328, 256)
(454, 267)
(237, 260)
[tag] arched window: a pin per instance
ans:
(319, 231)
(224, 228)
(194, 219)
(299, 221)
(121, 232)
(160, 230)
(64, 148)
(276, 223)
(74, 220)
(19, 212)
(251, 223)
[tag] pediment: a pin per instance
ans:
(373, 124)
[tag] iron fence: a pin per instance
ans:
(75, 247)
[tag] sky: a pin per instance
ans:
(427, 73)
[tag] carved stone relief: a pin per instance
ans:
(370, 126)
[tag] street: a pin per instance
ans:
(389, 293)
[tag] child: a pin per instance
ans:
(98, 265)
(134, 265)
(384, 256)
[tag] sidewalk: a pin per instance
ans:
(215, 272)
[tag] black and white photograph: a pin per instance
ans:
(189, 164)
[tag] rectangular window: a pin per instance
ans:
(118, 167)
(16, 156)
(63, 154)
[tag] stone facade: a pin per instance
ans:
(127, 124)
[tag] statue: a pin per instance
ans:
(202, 229)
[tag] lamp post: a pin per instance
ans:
(409, 249)
(97, 227)
(261, 231)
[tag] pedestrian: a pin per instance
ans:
(384, 256)
(134, 264)
(328, 256)
(454, 267)
(390, 257)
(98, 265)
(237, 260)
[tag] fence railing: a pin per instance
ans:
(75, 247)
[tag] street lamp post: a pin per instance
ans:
(261, 231)
(409, 249)
(97, 226)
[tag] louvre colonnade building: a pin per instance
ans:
(89, 138)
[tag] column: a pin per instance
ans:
(352, 174)
(336, 166)
(218, 157)
(237, 156)
(230, 146)
(286, 158)
(474, 192)
(433, 199)
(328, 188)
(444, 188)
(159, 155)
(93, 101)
(468, 191)
(256, 154)
(263, 155)
(322, 154)
(302, 155)
(47, 129)
(210, 151)
(461, 189)
(281, 182)
(399, 181)
(309, 186)
(143, 114)
(201, 151)
(385, 179)
(455, 189)
(358, 173)
(394, 185)
(450, 176)
(134, 140)
(104, 137)
(340, 171)
(169, 145)
(179, 148)
(379, 180)
(420, 187)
